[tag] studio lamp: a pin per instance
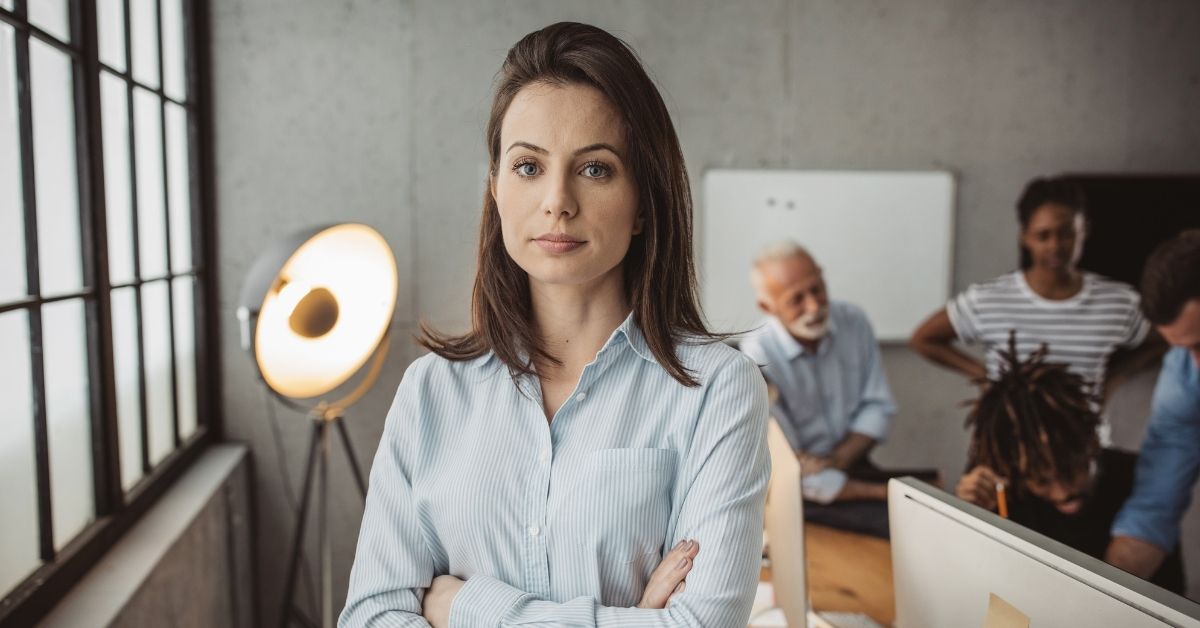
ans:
(315, 309)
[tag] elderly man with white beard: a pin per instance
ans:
(831, 397)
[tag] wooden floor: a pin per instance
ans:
(848, 572)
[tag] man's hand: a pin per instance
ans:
(853, 448)
(811, 464)
(1134, 555)
(978, 486)
(667, 580)
(438, 598)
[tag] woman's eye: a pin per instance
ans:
(527, 169)
(595, 171)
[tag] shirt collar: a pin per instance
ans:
(792, 347)
(631, 332)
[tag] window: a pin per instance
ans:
(103, 234)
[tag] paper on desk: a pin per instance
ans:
(1001, 614)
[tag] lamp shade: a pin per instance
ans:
(315, 306)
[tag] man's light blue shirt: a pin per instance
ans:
(1169, 461)
(824, 395)
(560, 523)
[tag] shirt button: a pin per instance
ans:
(544, 455)
(580, 396)
(534, 530)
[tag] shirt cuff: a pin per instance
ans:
(823, 487)
(873, 423)
(1138, 528)
(483, 601)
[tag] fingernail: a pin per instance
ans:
(680, 545)
(682, 563)
(690, 544)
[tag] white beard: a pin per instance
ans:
(807, 328)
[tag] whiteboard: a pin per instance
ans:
(884, 240)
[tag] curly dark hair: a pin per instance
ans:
(1036, 422)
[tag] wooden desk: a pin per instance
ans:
(849, 572)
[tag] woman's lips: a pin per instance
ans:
(555, 243)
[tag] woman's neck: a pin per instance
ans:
(1053, 284)
(574, 321)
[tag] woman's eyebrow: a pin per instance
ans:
(598, 146)
(533, 147)
(586, 149)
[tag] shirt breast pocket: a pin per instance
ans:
(623, 504)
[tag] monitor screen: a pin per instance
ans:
(950, 557)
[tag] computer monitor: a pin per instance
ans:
(948, 556)
(784, 523)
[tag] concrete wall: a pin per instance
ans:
(374, 111)
(186, 563)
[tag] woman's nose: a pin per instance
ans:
(560, 199)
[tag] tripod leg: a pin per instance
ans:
(301, 516)
(358, 477)
(323, 534)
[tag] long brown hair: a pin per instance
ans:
(659, 270)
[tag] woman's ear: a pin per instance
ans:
(639, 223)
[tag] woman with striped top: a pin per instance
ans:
(1082, 318)
(564, 462)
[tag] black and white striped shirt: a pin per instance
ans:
(1081, 331)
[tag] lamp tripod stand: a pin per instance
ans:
(315, 311)
(324, 417)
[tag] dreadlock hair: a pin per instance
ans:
(1036, 422)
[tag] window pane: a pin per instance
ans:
(114, 111)
(111, 15)
(144, 23)
(18, 471)
(180, 190)
(127, 370)
(185, 354)
(174, 70)
(152, 227)
(12, 218)
(55, 174)
(51, 16)
(68, 418)
(156, 339)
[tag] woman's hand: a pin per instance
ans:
(978, 486)
(438, 598)
(667, 581)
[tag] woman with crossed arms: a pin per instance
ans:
(564, 461)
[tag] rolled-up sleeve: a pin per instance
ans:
(723, 483)
(873, 414)
(392, 564)
(963, 313)
(1169, 461)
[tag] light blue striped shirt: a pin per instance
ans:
(561, 523)
(825, 394)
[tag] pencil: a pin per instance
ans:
(1001, 501)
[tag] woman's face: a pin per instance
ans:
(566, 197)
(1054, 237)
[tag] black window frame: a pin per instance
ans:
(116, 510)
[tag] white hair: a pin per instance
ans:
(779, 251)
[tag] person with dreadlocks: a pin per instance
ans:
(1034, 437)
